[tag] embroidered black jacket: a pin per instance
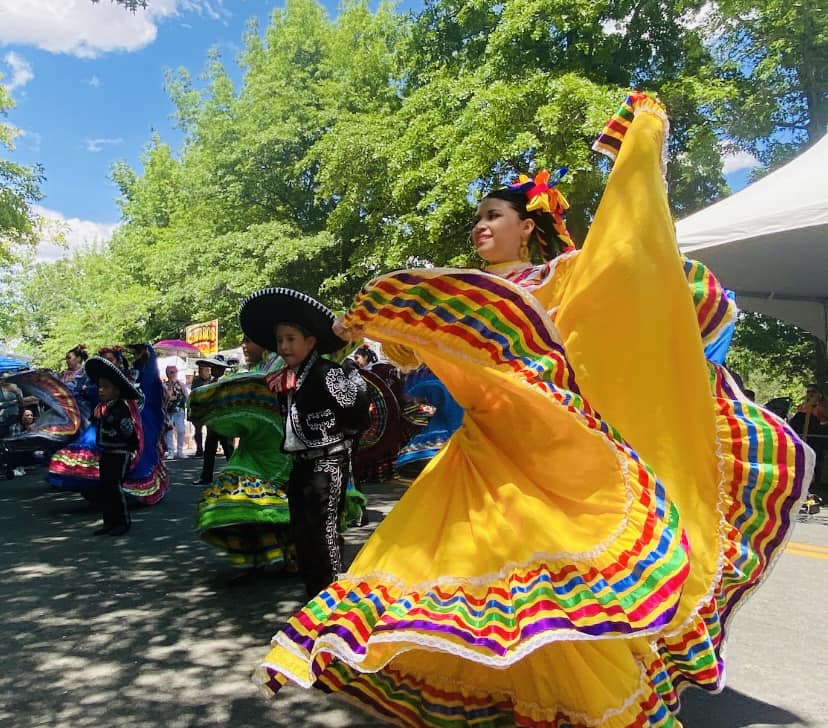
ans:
(116, 428)
(329, 405)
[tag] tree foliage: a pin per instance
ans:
(774, 358)
(132, 5)
(19, 189)
(773, 57)
(360, 143)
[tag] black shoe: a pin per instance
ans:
(102, 531)
(198, 454)
(119, 530)
(201, 481)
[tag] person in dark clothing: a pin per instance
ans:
(211, 442)
(324, 407)
(117, 440)
(11, 403)
(203, 377)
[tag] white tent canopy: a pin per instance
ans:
(769, 242)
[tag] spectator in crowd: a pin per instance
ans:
(217, 367)
(175, 408)
(811, 422)
(11, 405)
(815, 404)
(202, 377)
(27, 420)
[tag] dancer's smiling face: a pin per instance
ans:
(499, 231)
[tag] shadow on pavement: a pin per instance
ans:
(147, 631)
(143, 630)
(731, 709)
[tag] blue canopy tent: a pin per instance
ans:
(11, 364)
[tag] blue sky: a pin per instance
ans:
(87, 82)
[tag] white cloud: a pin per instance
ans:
(97, 145)
(21, 69)
(739, 160)
(75, 233)
(87, 30)
(94, 82)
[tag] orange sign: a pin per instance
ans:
(204, 336)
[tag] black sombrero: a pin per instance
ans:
(99, 368)
(217, 361)
(261, 311)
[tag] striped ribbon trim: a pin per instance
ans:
(611, 138)
(768, 469)
(714, 310)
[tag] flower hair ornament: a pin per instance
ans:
(543, 195)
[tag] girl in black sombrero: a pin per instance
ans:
(117, 440)
(324, 408)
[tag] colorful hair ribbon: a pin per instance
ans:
(543, 195)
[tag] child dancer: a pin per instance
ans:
(324, 408)
(117, 440)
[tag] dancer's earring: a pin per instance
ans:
(523, 252)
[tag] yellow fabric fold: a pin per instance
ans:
(630, 333)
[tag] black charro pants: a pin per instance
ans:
(316, 495)
(198, 438)
(211, 443)
(113, 467)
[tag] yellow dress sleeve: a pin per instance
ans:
(630, 332)
(401, 356)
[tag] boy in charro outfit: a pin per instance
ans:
(324, 408)
(117, 440)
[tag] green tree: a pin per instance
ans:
(358, 144)
(19, 189)
(776, 358)
(83, 298)
(774, 56)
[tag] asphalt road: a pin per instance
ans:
(147, 631)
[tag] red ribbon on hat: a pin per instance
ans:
(281, 381)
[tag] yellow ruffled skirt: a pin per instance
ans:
(541, 571)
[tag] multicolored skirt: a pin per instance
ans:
(537, 573)
(244, 511)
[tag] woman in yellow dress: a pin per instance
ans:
(608, 499)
